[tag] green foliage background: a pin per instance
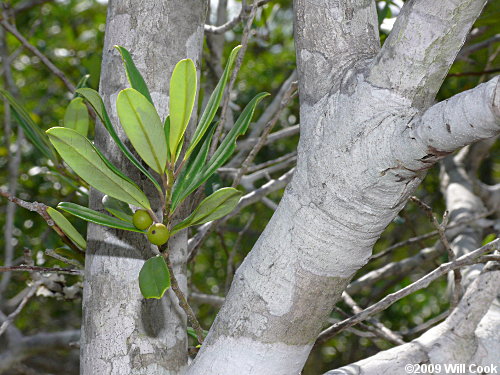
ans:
(70, 33)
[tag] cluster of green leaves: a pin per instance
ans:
(158, 143)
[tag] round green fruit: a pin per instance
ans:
(158, 234)
(142, 220)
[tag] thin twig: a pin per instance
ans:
(423, 282)
(267, 129)
(234, 74)
(426, 325)
(41, 209)
(13, 163)
(19, 308)
(441, 228)
(378, 327)
(195, 242)
(232, 254)
(25, 268)
(182, 300)
(213, 29)
(427, 235)
(54, 69)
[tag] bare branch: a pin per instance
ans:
(380, 329)
(195, 242)
(41, 209)
(206, 298)
(20, 307)
(464, 118)
(267, 129)
(467, 259)
(25, 268)
(212, 29)
(467, 50)
(54, 69)
(234, 74)
(441, 227)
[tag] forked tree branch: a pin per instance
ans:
(427, 54)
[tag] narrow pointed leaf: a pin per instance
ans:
(223, 152)
(212, 104)
(92, 216)
(133, 75)
(182, 96)
(76, 116)
(154, 278)
(143, 127)
(32, 131)
(81, 84)
(117, 208)
(68, 229)
(95, 100)
(166, 130)
(213, 207)
(195, 163)
(87, 162)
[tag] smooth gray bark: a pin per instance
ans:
(364, 149)
(122, 332)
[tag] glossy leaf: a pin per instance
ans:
(212, 104)
(92, 216)
(182, 96)
(76, 116)
(211, 208)
(117, 208)
(133, 75)
(32, 131)
(223, 152)
(68, 229)
(81, 155)
(154, 278)
(143, 127)
(194, 165)
(95, 100)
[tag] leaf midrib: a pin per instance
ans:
(141, 124)
(100, 170)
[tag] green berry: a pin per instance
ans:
(142, 220)
(158, 234)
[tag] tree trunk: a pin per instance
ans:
(367, 139)
(122, 332)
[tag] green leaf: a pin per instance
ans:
(95, 100)
(154, 278)
(223, 152)
(214, 207)
(195, 163)
(143, 127)
(212, 104)
(83, 82)
(133, 75)
(68, 229)
(117, 208)
(32, 131)
(76, 116)
(182, 97)
(89, 163)
(70, 254)
(88, 214)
